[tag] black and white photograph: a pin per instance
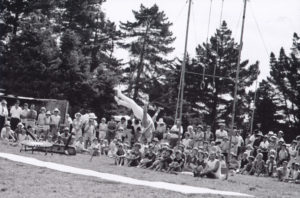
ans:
(149, 98)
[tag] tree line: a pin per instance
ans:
(68, 50)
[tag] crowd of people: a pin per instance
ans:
(172, 149)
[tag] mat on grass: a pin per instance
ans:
(185, 189)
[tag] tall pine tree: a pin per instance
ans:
(148, 41)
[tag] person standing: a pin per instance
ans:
(41, 122)
(24, 114)
(77, 126)
(3, 113)
(15, 114)
(221, 133)
(90, 131)
(102, 129)
(54, 123)
(111, 129)
(31, 116)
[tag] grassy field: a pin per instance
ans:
(21, 180)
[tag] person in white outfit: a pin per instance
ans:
(212, 168)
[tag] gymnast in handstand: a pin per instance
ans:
(139, 113)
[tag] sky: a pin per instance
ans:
(269, 24)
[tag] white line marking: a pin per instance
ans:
(117, 178)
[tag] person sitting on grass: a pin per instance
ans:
(79, 145)
(199, 164)
(165, 161)
(95, 147)
(112, 148)
(59, 140)
(159, 155)
(191, 160)
(177, 164)
(120, 155)
(244, 160)
(104, 147)
(212, 168)
(22, 133)
(134, 158)
(271, 166)
(148, 159)
(258, 167)
(7, 133)
(233, 163)
(283, 172)
(248, 167)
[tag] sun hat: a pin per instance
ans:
(3, 101)
(56, 110)
(161, 121)
(270, 133)
(48, 113)
(92, 116)
(272, 156)
(43, 108)
(77, 114)
(259, 134)
(20, 124)
(66, 129)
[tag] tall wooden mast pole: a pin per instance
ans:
(183, 68)
(236, 87)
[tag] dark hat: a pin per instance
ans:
(251, 157)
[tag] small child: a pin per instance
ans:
(165, 161)
(283, 172)
(258, 165)
(148, 159)
(95, 147)
(104, 147)
(120, 155)
(271, 166)
(248, 166)
(79, 145)
(177, 164)
(135, 155)
(244, 160)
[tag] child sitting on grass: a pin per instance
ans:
(258, 167)
(159, 156)
(104, 147)
(120, 155)
(95, 147)
(135, 155)
(165, 161)
(283, 172)
(248, 167)
(79, 145)
(271, 166)
(177, 164)
(148, 159)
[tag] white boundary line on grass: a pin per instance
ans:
(117, 178)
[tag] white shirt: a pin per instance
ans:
(3, 111)
(176, 129)
(15, 112)
(264, 145)
(220, 134)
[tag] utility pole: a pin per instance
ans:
(236, 87)
(181, 90)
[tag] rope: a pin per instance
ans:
(259, 32)
(221, 15)
(202, 85)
